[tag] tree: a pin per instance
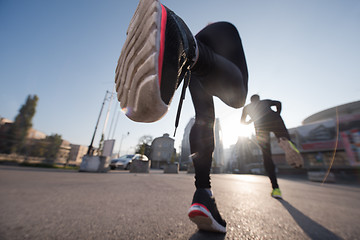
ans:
(144, 145)
(147, 139)
(23, 122)
(54, 142)
(101, 144)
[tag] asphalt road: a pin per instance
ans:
(57, 204)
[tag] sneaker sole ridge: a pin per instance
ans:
(204, 220)
(136, 74)
(292, 157)
(277, 196)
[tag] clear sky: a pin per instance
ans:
(304, 53)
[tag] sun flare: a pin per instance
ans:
(232, 129)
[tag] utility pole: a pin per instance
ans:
(108, 111)
(122, 138)
(90, 149)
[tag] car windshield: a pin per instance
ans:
(125, 158)
(141, 157)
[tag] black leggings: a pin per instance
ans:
(220, 71)
(275, 124)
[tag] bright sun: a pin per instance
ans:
(232, 129)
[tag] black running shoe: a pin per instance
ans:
(204, 213)
(158, 50)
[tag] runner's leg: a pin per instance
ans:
(202, 133)
(279, 128)
(221, 67)
(263, 137)
(220, 71)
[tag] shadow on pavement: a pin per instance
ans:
(203, 235)
(313, 229)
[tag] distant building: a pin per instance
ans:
(246, 156)
(185, 144)
(3, 121)
(76, 153)
(35, 134)
(5, 125)
(328, 137)
(162, 150)
(62, 157)
(352, 108)
(218, 156)
(32, 133)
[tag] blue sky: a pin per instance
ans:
(304, 53)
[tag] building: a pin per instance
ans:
(62, 157)
(162, 151)
(185, 145)
(32, 133)
(5, 124)
(352, 108)
(35, 134)
(218, 156)
(327, 138)
(330, 137)
(76, 153)
(3, 121)
(245, 156)
(35, 141)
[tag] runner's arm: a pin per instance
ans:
(277, 104)
(243, 117)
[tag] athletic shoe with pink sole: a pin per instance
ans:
(157, 52)
(204, 213)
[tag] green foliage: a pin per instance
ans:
(47, 165)
(174, 156)
(144, 145)
(101, 144)
(23, 122)
(48, 147)
(38, 148)
(142, 148)
(146, 139)
(54, 142)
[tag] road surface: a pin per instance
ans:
(40, 204)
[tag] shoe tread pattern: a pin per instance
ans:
(293, 158)
(136, 74)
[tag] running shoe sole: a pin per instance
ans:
(292, 155)
(276, 196)
(202, 217)
(139, 68)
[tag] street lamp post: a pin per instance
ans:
(97, 123)
(122, 138)
(90, 149)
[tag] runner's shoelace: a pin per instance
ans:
(182, 97)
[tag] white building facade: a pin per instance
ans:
(162, 150)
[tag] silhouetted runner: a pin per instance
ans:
(265, 121)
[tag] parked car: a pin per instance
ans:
(123, 162)
(140, 157)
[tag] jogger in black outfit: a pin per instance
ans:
(265, 121)
(159, 52)
(220, 71)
